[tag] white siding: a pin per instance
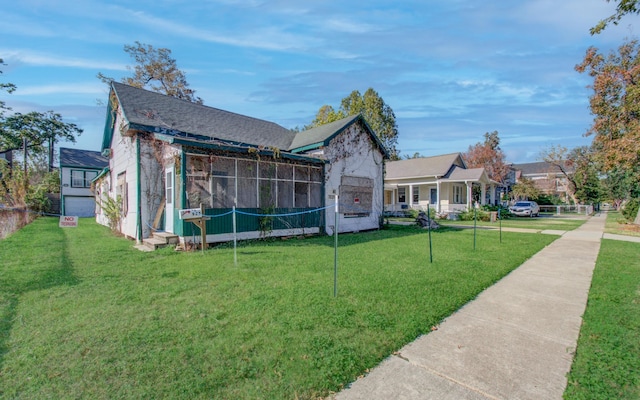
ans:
(353, 154)
(123, 160)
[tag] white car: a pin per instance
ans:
(525, 209)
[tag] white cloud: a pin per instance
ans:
(74, 88)
(271, 37)
(47, 60)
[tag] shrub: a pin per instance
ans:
(413, 213)
(481, 215)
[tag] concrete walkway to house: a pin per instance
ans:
(516, 340)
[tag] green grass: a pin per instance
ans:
(563, 223)
(607, 362)
(84, 315)
(617, 224)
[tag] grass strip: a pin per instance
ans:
(607, 361)
(83, 314)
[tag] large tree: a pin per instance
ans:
(623, 8)
(488, 155)
(375, 111)
(157, 71)
(9, 88)
(615, 104)
(38, 130)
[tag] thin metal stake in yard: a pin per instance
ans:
(429, 229)
(235, 239)
(500, 221)
(335, 251)
(475, 219)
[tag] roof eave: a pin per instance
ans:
(236, 148)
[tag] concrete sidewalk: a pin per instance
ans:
(516, 340)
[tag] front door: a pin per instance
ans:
(434, 197)
(169, 199)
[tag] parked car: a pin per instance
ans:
(525, 209)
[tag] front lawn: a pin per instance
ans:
(617, 224)
(85, 315)
(607, 362)
(544, 222)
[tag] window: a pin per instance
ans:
(217, 181)
(416, 194)
(121, 190)
(402, 198)
(82, 179)
(457, 195)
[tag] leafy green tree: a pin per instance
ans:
(620, 184)
(157, 71)
(9, 88)
(375, 111)
(326, 115)
(585, 178)
(37, 129)
(28, 187)
(623, 8)
(524, 189)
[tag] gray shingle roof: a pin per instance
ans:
(423, 167)
(167, 114)
(542, 167)
(321, 133)
(471, 174)
(82, 158)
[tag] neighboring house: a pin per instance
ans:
(444, 182)
(547, 177)
(77, 169)
(167, 154)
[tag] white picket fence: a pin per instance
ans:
(584, 209)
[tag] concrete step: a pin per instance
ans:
(169, 238)
(154, 243)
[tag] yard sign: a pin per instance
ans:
(68, 222)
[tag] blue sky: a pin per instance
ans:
(451, 70)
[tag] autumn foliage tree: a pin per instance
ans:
(615, 104)
(488, 155)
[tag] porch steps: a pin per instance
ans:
(160, 239)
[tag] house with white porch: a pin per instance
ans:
(442, 182)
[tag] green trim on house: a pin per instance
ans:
(138, 192)
(248, 223)
(236, 149)
(308, 147)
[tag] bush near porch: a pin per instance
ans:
(83, 314)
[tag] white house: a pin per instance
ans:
(77, 169)
(442, 182)
(167, 154)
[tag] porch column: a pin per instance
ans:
(438, 196)
(483, 193)
(469, 195)
(409, 196)
(492, 194)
